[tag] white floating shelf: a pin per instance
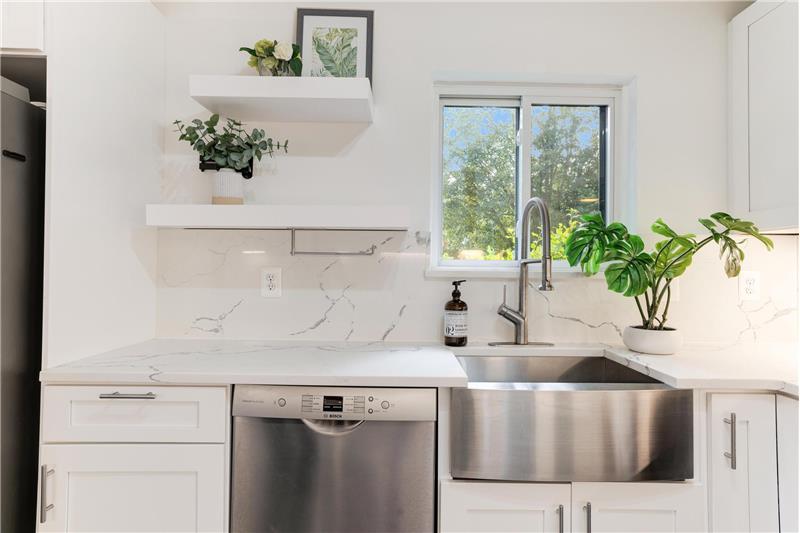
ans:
(330, 217)
(284, 99)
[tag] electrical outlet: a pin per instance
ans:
(749, 286)
(271, 282)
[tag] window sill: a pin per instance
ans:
(512, 272)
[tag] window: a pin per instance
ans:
(498, 151)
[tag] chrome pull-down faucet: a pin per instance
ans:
(519, 317)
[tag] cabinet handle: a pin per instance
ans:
(14, 155)
(43, 505)
(732, 454)
(128, 396)
(588, 509)
(560, 519)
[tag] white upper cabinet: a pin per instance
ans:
(22, 25)
(762, 144)
(743, 462)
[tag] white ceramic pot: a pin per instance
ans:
(652, 341)
(228, 187)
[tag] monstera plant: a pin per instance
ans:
(647, 276)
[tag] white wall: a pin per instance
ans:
(675, 51)
(105, 109)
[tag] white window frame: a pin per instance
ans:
(525, 95)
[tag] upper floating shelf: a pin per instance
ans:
(323, 217)
(284, 99)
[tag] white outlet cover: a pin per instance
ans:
(749, 286)
(271, 282)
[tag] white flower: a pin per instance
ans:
(283, 51)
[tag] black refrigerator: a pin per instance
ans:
(22, 184)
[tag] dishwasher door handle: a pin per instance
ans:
(332, 428)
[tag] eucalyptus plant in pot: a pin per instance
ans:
(647, 276)
(229, 152)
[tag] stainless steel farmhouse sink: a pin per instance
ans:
(562, 418)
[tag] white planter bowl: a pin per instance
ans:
(652, 341)
(228, 187)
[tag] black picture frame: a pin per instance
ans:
(350, 13)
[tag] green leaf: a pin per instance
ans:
(661, 228)
(709, 225)
(349, 62)
(629, 277)
(742, 226)
(637, 244)
(671, 258)
(326, 57)
(631, 270)
(232, 147)
(589, 243)
(731, 255)
(296, 65)
(248, 50)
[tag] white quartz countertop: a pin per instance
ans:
(745, 367)
(217, 362)
(771, 367)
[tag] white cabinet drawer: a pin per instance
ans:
(133, 414)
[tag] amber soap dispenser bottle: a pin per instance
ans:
(455, 318)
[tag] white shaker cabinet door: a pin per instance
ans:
(22, 24)
(141, 487)
(787, 463)
(742, 462)
(763, 137)
(487, 507)
(638, 507)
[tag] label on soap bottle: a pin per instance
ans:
(455, 323)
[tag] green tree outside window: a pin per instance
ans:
(479, 166)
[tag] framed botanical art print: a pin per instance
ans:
(335, 42)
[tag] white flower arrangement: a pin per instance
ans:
(275, 58)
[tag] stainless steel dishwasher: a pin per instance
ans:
(333, 459)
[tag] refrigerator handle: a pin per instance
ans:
(14, 155)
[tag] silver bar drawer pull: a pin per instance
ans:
(43, 505)
(560, 519)
(732, 454)
(588, 509)
(128, 396)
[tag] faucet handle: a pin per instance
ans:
(503, 308)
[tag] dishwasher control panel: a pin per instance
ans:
(334, 403)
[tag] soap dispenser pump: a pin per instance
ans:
(455, 318)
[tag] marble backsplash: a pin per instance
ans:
(208, 286)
